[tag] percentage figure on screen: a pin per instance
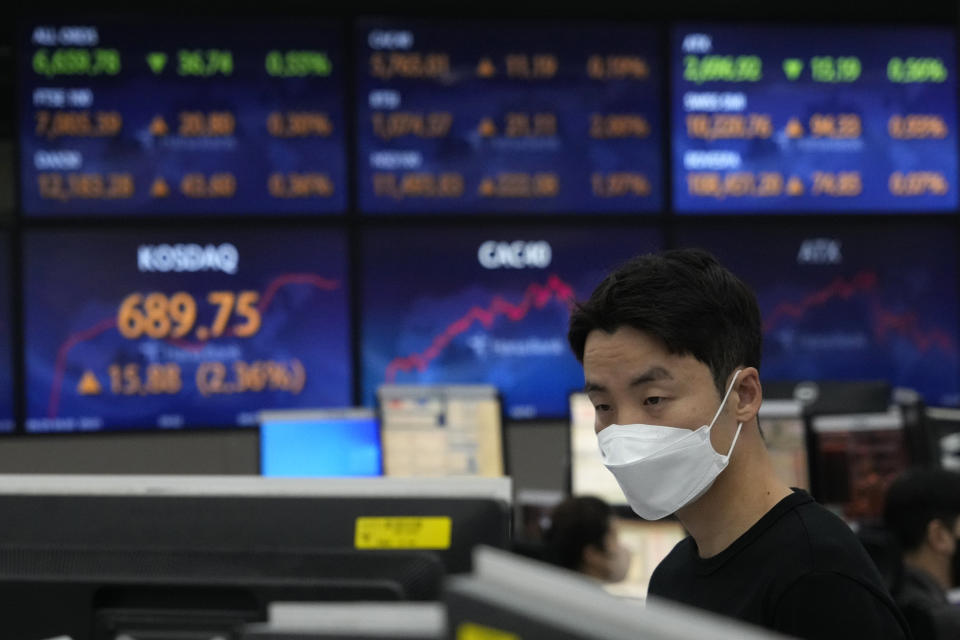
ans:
(617, 67)
(300, 185)
(918, 183)
(619, 125)
(299, 124)
(910, 70)
(917, 127)
(298, 64)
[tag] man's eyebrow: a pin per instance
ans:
(652, 374)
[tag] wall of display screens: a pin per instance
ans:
(217, 217)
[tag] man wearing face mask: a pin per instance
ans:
(583, 537)
(670, 347)
(923, 511)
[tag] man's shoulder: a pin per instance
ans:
(832, 544)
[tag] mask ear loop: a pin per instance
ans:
(734, 443)
(722, 405)
(727, 395)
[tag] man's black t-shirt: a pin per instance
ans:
(799, 570)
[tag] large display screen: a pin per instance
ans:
(484, 306)
(858, 303)
(457, 117)
(192, 116)
(816, 120)
(173, 329)
(6, 357)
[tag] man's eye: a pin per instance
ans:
(653, 400)
(602, 407)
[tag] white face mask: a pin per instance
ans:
(662, 469)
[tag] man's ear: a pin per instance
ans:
(939, 537)
(749, 394)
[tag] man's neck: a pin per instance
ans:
(932, 564)
(741, 495)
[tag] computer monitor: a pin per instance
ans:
(432, 431)
(832, 396)
(112, 593)
(246, 513)
(649, 543)
(781, 422)
(943, 425)
(320, 443)
(351, 621)
(587, 476)
(509, 596)
(853, 458)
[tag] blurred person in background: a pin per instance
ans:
(583, 537)
(923, 511)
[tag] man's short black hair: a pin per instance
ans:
(918, 497)
(686, 299)
(576, 523)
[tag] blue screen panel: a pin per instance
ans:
(484, 306)
(457, 117)
(855, 303)
(325, 446)
(193, 116)
(817, 120)
(169, 329)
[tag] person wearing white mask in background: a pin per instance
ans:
(583, 537)
(670, 345)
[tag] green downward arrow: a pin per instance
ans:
(792, 67)
(157, 61)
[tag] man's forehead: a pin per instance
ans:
(632, 378)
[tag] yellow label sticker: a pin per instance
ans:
(428, 532)
(471, 631)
